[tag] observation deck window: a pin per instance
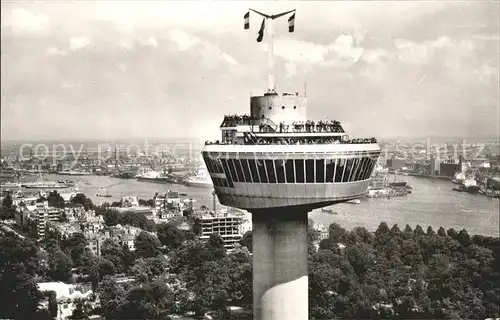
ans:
(227, 172)
(299, 171)
(310, 171)
(362, 169)
(347, 170)
(290, 171)
(330, 170)
(253, 170)
(246, 170)
(280, 170)
(239, 170)
(339, 169)
(261, 169)
(355, 163)
(232, 170)
(271, 175)
(320, 171)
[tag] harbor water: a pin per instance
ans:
(432, 202)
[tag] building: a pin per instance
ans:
(168, 201)
(223, 224)
(434, 166)
(128, 240)
(44, 215)
(448, 169)
(129, 201)
(395, 164)
(95, 242)
(279, 165)
(67, 296)
(245, 226)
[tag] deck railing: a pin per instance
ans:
(297, 126)
(252, 140)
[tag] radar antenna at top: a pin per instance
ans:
(268, 19)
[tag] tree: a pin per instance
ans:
(53, 308)
(18, 289)
(170, 236)
(452, 233)
(441, 232)
(150, 268)
(7, 201)
(81, 199)
(418, 231)
(60, 266)
(395, 229)
(105, 268)
(63, 217)
(247, 240)
(336, 233)
(147, 245)
(55, 200)
(464, 238)
(80, 312)
(215, 247)
(111, 295)
(361, 257)
(364, 235)
(112, 251)
(383, 228)
(76, 245)
(7, 213)
(197, 227)
(430, 231)
(111, 217)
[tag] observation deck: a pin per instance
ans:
(279, 159)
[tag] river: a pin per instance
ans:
(432, 202)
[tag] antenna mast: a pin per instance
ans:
(270, 42)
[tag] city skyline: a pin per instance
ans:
(134, 70)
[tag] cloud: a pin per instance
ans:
(490, 37)
(290, 69)
(183, 40)
(54, 51)
(153, 42)
(77, 43)
(341, 51)
(186, 41)
(23, 21)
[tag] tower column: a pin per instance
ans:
(270, 54)
(280, 280)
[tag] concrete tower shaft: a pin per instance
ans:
(280, 278)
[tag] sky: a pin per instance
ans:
(111, 69)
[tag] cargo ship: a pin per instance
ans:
(156, 177)
(458, 178)
(103, 193)
(201, 179)
(469, 186)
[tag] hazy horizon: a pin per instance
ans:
(132, 70)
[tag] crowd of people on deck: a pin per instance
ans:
(234, 120)
(311, 126)
(297, 141)
(296, 126)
